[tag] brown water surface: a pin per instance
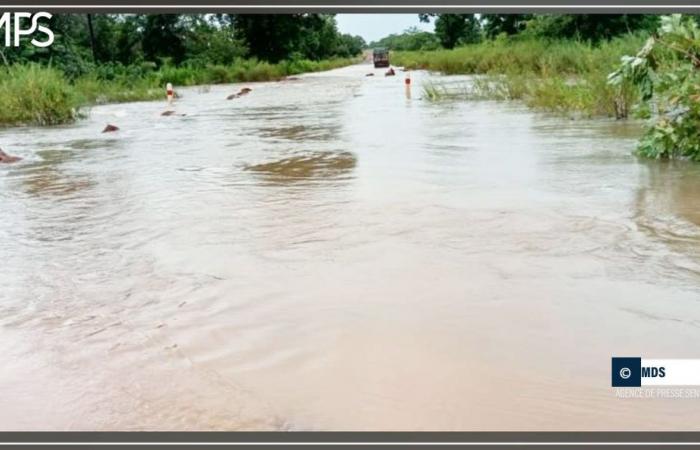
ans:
(324, 254)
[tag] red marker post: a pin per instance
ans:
(407, 83)
(169, 93)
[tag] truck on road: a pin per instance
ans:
(380, 56)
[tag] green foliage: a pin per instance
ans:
(162, 38)
(495, 24)
(591, 27)
(459, 29)
(210, 42)
(587, 96)
(555, 63)
(189, 39)
(531, 56)
(453, 29)
(667, 73)
(35, 94)
(411, 39)
(349, 46)
(274, 37)
(587, 27)
(559, 76)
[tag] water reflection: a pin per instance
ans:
(302, 132)
(45, 177)
(673, 186)
(306, 167)
(47, 180)
(666, 210)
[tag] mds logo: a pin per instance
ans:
(628, 372)
(19, 24)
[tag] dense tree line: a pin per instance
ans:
(411, 39)
(87, 40)
(452, 30)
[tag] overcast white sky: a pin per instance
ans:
(376, 26)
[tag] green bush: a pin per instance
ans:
(31, 94)
(667, 73)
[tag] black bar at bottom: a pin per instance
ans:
(348, 437)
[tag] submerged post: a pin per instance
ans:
(407, 83)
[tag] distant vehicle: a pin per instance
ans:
(380, 57)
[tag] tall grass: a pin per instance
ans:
(534, 56)
(39, 95)
(558, 76)
(33, 94)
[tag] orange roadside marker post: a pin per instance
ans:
(407, 83)
(169, 93)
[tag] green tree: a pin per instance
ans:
(274, 37)
(452, 29)
(592, 27)
(318, 37)
(495, 24)
(128, 38)
(163, 38)
(349, 46)
(209, 40)
(411, 39)
(271, 37)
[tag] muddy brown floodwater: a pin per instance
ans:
(323, 254)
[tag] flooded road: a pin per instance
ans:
(324, 254)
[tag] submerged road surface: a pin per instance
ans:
(323, 254)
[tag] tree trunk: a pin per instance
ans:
(92, 38)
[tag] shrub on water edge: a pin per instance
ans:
(665, 73)
(263, 71)
(218, 74)
(35, 94)
(179, 76)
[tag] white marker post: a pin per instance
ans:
(407, 82)
(169, 93)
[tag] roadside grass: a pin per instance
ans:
(557, 76)
(31, 94)
(39, 95)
